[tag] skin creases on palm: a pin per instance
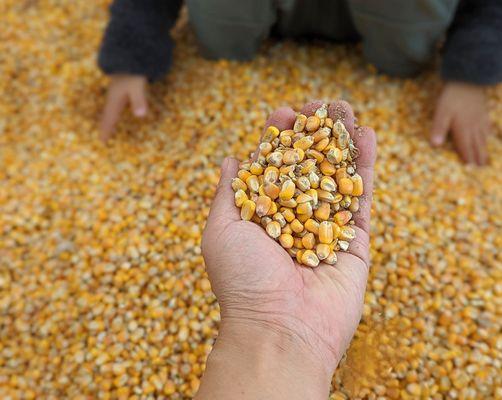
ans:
(255, 279)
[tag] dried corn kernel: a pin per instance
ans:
(247, 210)
(325, 232)
(273, 229)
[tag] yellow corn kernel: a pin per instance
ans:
(264, 221)
(322, 250)
(322, 112)
(337, 198)
(264, 149)
(328, 184)
(342, 217)
(240, 197)
(325, 232)
(303, 198)
(271, 190)
(322, 133)
(261, 191)
(336, 231)
(243, 174)
(300, 122)
(287, 133)
(247, 210)
(288, 214)
(291, 203)
(321, 144)
(304, 143)
(286, 240)
(354, 205)
(325, 196)
(308, 241)
(334, 155)
(304, 208)
(313, 123)
(271, 174)
(313, 194)
(256, 169)
(303, 183)
(323, 211)
(299, 255)
(270, 134)
(308, 166)
(287, 190)
(290, 157)
(309, 258)
(238, 184)
(275, 158)
(277, 216)
(253, 183)
(297, 242)
(316, 155)
(296, 226)
(273, 229)
(314, 180)
(357, 181)
(328, 122)
(327, 168)
(263, 205)
(303, 217)
(331, 259)
(287, 229)
(273, 208)
(345, 186)
(287, 170)
(340, 174)
(347, 233)
(286, 141)
(312, 225)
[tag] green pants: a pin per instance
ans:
(398, 36)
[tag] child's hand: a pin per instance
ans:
(462, 110)
(123, 89)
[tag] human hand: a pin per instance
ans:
(462, 110)
(123, 89)
(261, 289)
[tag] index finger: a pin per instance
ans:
(114, 105)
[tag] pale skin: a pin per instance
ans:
(284, 326)
(461, 112)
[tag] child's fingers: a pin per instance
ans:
(365, 140)
(139, 104)
(114, 106)
(464, 144)
(440, 127)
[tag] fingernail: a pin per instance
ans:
(140, 112)
(437, 140)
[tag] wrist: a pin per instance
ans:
(274, 363)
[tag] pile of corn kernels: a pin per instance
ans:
(103, 292)
(303, 187)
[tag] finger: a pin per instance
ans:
(359, 247)
(465, 146)
(365, 140)
(480, 148)
(138, 102)
(440, 127)
(114, 106)
(341, 110)
(310, 108)
(283, 118)
(223, 208)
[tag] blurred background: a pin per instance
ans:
(103, 292)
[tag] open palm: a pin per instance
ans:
(256, 280)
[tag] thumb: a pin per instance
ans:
(223, 207)
(440, 127)
(138, 102)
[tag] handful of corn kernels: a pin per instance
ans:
(303, 188)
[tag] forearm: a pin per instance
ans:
(251, 361)
(137, 39)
